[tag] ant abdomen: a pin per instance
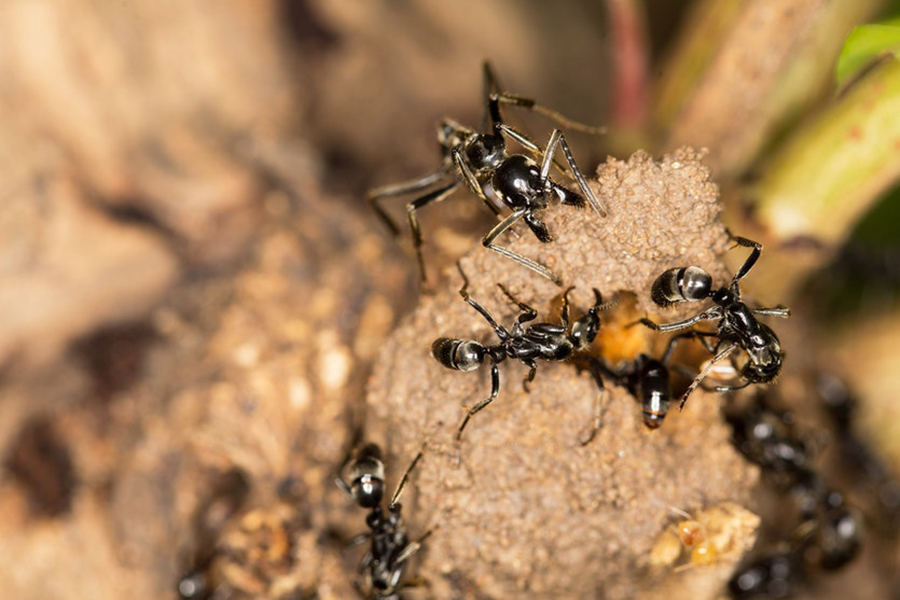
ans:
(367, 477)
(681, 284)
(459, 355)
(653, 391)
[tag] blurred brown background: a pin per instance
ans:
(194, 290)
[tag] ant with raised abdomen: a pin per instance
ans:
(482, 161)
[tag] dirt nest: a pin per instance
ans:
(530, 509)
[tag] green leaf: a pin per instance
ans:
(865, 44)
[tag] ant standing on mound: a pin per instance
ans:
(545, 341)
(390, 548)
(737, 326)
(501, 180)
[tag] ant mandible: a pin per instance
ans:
(390, 548)
(737, 324)
(545, 341)
(501, 180)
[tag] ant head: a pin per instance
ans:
(367, 477)
(585, 329)
(485, 151)
(460, 355)
(451, 134)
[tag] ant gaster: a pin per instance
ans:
(389, 548)
(527, 343)
(648, 381)
(737, 326)
(501, 180)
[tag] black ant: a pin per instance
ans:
(482, 161)
(829, 532)
(527, 343)
(390, 548)
(737, 323)
(647, 379)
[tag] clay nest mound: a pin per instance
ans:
(530, 509)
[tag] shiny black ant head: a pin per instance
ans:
(766, 356)
(585, 329)
(367, 477)
(681, 284)
(485, 152)
(459, 355)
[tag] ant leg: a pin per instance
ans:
(472, 181)
(707, 315)
(559, 118)
(502, 226)
(731, 388)
(750, 261)
(528, 312)
(532, 369)
(564, 311)
(530, 146)
(491, 92)
(598, 402)
(374, 196)
(778, 311)
(495, 390)
(359, 539)
(411, 208)
(500, 330)
(403, 480)
(342, 485)
(702, 374)
(557, 138)
(410, 549)
(673, 342)
(366, 562)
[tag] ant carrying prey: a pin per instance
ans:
(527, 343)
(389, 548)
(481, 160)
(737, 326)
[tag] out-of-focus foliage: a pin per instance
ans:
(866, 44)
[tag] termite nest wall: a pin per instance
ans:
(530, 509)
